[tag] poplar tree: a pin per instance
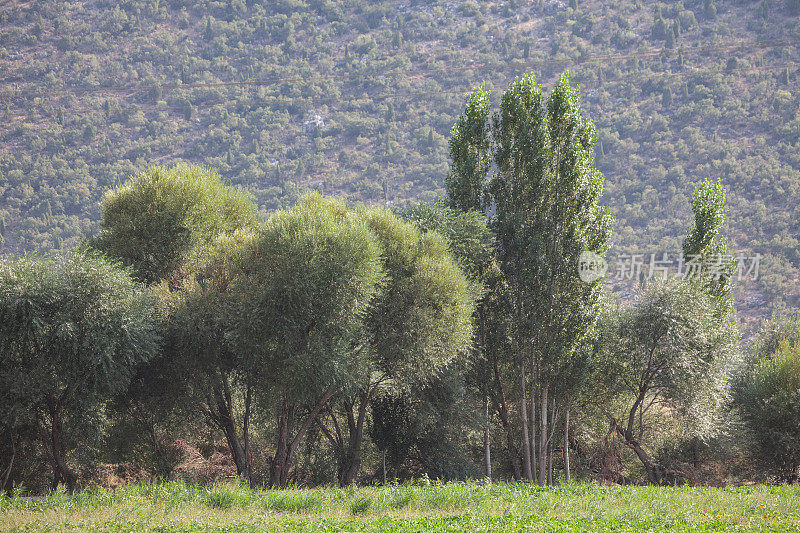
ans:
(545, 196)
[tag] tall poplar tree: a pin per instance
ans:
(544, 196)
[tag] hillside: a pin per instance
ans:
(357, 98)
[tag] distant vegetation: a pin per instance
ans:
(358, 99)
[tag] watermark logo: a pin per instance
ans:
(591, 267)
(646, 267)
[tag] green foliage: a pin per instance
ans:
(669, 350)
(768, 398)
(154, 222)
(547, 191)
(301, 287)
(73, 329)
(467, 234)
(311, 51)
(421, 320)
(670, 341)
(707, 248)
(469, 153)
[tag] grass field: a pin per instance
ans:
(182, 507)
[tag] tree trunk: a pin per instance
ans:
(62, 471)
(7, 473)
(566, 443)
(543, 436)
(526, 446)
(487, 443)
(246, 433)
(502, 410)
(282, 444)
(287, 445)
(550, 445)
(653, 476)
(533, 441)
(383, 463)
(350, 464)
(225, 419)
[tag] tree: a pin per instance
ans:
(472, 244)
(709, 260)
(469, 153)
(154, 222)
(201, 315)
(545, 195)
(546, 192)
(418, 322)
(73, 330)
(767, 396)
(667, 351)
(176, 224)
(301, 287)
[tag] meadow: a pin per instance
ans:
(471, 506)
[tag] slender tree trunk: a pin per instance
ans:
(487, 442)
(502, 410)
(526, 447)
(246, 433)
(653, 476)
(225, 419)
(550, 444)
(543, 436)
(351, 462)
(383, 464)
(287, 445)
(533, 428)
(57, 444)
(282, 444)
(566, 442)
(7, 472)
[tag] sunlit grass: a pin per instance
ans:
(179, 506)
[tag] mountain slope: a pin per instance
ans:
(356, 98)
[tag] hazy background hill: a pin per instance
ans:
(357, 98)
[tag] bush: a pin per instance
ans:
(768, 398)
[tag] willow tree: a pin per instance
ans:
(667, 351)
(418, 322)
(156, 220)
(174, 226)
(72, 330)
(200, 312)
(301, 287)
(545, 196)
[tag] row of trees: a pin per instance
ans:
(310, 312)
(331, 330)
(669, 348)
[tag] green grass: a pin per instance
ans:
(185, 507)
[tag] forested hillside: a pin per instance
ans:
(357, 98)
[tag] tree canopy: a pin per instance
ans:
(73, 330)
(157, 219)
